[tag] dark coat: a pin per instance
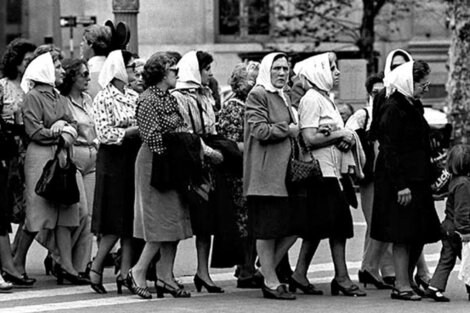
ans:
(403, 162)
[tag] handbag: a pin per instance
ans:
(59, 184)
(198, 193)
(299, 171)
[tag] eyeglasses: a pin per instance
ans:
(85, 74)
(131, 66)
(424, 85)
(174, 69)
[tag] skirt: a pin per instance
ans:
(158, 215)
(271, 217)
(41, 213)
(416, 223)
(325, 212)
(113, 207)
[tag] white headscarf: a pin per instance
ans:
(264, 75)
(401, 79)
(113, 67)
(388, 61)
(317, 70)
(40, 70)
(189, 75)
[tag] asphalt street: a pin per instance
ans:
(46, 296)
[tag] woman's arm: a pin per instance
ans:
(34, 124)
(462, 208)
(106, 132)
(257, 118)
(315, 138)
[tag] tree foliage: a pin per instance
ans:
(458, 85)
(317, 21)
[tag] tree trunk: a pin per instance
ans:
(367, 36)
(458, 84)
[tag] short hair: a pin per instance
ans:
(14, 55)
(348, 105)
(401, 53)
(175, 54)
(155, 68)
(55, 52)
(458, 160)
(99, 38)
(420, 70)
(240, 77)
(372, 80)
(72, 68)
(204, 59)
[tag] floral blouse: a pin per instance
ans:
(157, 113)
(11, 98)
(230, 123)
(113, 112)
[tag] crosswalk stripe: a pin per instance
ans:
(121, 300)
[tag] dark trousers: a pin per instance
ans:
(451, 250)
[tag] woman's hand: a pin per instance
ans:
(293, 130)
(216, 157)
(132, 132)
(404, 197)
(57, 127)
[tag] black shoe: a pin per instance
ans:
(162, 288)
(389, 280)
(122, 282)
(142, 292)
(408, 295)
(351, 291)
(309, 289)
(421, 282)
(74, 279)
(280, 293)
(366, 277)
(98, 286)
(436, 295)
(199, 283)
(249, 283)
(23, 280)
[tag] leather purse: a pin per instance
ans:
(59, 184)
(298, 171)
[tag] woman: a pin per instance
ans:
(18, 53)
(403, 210)
(161, 217)
(230, 126)
(327, 213)
(269, 124)
(117, 132)
(94, 48)
(74, 87)
(49, 124)
(196, 105)
(138, 85)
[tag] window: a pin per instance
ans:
(243, 20)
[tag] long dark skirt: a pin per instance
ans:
(325, 212)
(113, 209)
(416, 223)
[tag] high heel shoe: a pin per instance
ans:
(74, 279)
(420, 282)
(351, 291)
(97, 287)
(365, 277)
(280, 293)
(23, 280)
(48, 263)
(199, 283)
(142, 292)
(309, 289)
(166, 288)
(120, 281)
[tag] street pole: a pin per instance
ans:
(71, 42)
(126, 11)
